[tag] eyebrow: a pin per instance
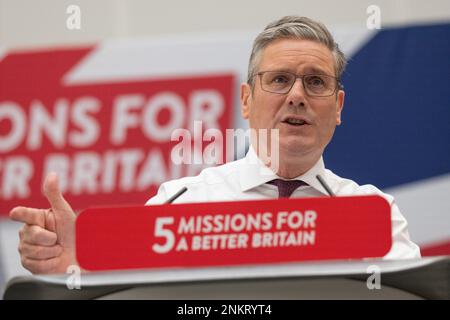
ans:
(316, 70)
(309, 70)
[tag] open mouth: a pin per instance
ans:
(295, 122)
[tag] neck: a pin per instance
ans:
(290, 170)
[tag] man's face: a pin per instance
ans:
(266, 110)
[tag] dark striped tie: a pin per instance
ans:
(286, 187)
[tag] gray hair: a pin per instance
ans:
(297, 28)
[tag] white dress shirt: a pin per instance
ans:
(246, 179)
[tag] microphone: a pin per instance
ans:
(325, 185)
(176, 195)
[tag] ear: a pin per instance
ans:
(339, 106)
(246, 99)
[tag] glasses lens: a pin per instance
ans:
(319, 85)
(277, 81)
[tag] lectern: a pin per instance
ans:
(426, 278)
(268, 249)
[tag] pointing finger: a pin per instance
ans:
(28, 215)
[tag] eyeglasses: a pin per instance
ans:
(315, 85)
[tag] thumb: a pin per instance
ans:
(63, 215)
(54, 195)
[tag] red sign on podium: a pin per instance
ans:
(232, 233)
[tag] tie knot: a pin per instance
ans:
(286, 187)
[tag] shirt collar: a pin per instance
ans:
(254, 173)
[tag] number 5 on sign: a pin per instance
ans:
(164, 233)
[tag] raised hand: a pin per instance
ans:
(47, 240)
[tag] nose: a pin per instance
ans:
(296, 96)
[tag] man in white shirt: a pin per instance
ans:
(293, 92)
(247, 179)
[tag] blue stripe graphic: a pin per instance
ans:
(396, 117)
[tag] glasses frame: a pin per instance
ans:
(338, 86)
